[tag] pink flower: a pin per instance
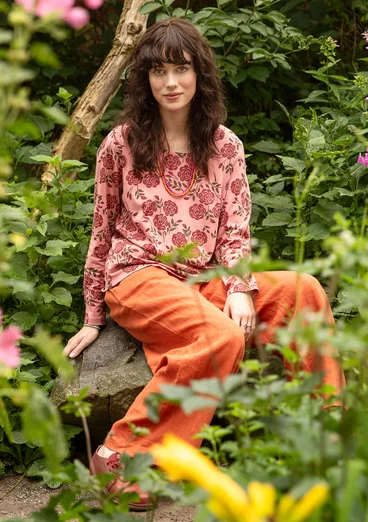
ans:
(9, 353)
(76, 17)
(363, 160)
(93, 4)
(366, 99)
(44, 7)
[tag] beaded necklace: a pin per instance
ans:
(166, 185)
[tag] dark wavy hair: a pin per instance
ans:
(166, 42)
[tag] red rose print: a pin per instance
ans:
(170, 208)
(139, 235)
(133, 178)
(111, 201)
(171, 162)
(239, 288)
(206, 197)
(219, 134)
(160, 222)
(185, 173)
(179, 240)
(129, 269)
(199, 237)
(236, 243)
(130, 226)
(118, 247)
(245, 199)
(228, 150)
(88, 281)
(197, 211)
(103, 175)
(108, 161)
(116, 179)
(216, 210)
(151, 249)
(236, 186)
(123, 161)
(101, 251)
(95, 293)
(151, 180)
(149, 207)
(98, 220)
(224, 218)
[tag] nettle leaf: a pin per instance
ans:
(267, 146)
(65, 278)
(41, 422)
(277, 219)
(258, 73)
(25, 320)
(61, 296)
(55, 247)
(135, 466)
(277, 202)
(150, 7)
(191, 404)
(292, 163)
(318, 231)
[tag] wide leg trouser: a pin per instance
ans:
(186, 336)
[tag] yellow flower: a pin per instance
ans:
(228, 501)
(304, 507)
(262, 498)
(17, 239)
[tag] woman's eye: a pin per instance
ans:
(183, 68)
(158, 72)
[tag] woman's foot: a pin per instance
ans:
(105, 460)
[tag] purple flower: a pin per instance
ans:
(9, 353)
(363, 160)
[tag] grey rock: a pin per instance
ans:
(115, 369)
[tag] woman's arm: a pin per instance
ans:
(107, 201)
(233, 242)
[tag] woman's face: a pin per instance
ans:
(174, 86)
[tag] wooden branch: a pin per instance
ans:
(102, 88)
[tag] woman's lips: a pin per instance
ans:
(174, 96)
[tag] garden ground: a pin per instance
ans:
(28, 496)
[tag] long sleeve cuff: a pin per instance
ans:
(236, 284)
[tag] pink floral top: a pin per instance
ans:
(136, 219)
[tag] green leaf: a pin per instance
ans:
(191, 404)
(267, 146)
(135, 466)
(51, 348)
(258, 73)
(41, 422)
(44, 55)
(42, 158)
(292, 163)
(5, 36)
(25, 320)
(318, 231)
(4, 421)
(62, 296)
(65, 278)
(277, 202)
(174, 392)
(55, 247)
(277, 219)
(54, 114)
(150, 7)
(211, 386)
(260, 28)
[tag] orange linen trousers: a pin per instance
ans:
(186, 336)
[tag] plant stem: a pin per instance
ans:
(187, 8)
(87, 436)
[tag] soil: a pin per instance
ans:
(20, 500)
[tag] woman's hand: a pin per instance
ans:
(80, 341)
(240, 308)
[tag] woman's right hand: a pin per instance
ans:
(80, 341)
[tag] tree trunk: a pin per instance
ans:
(103, 86)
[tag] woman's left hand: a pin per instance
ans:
(240, 308)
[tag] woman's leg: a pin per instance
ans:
(281, 297)
(184, 336)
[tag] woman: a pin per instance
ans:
(170, 175)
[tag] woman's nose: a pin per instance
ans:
(171, 80)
